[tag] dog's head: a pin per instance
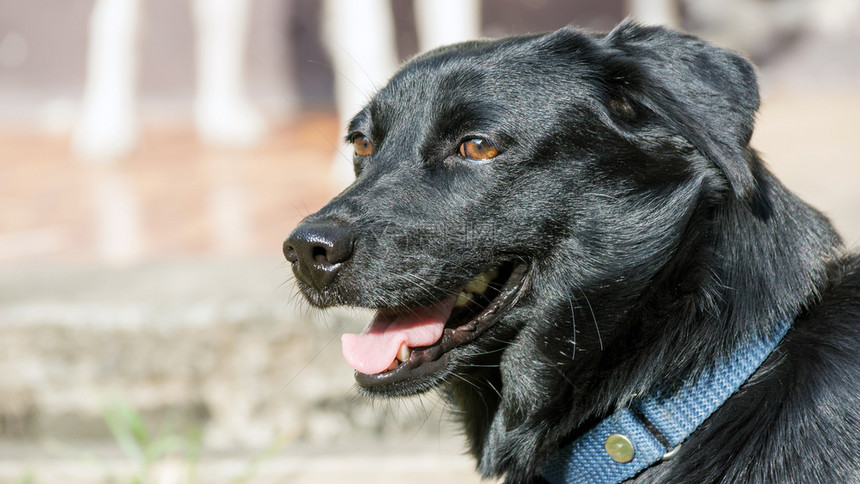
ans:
(498, 181)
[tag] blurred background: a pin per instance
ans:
(155, 153)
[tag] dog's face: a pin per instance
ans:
(499, 181)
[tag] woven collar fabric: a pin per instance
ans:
(656, 425)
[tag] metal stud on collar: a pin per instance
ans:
(620, 448)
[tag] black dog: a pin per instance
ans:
(554, 226)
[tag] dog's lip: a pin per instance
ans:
(428, 360)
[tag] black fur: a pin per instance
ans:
(656, 240)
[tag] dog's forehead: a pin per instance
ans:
(502, 72)
(438, 76)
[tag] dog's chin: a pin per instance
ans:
(478, 306)
(317, 299)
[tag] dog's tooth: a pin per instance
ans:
(404, 352)
(462, 299)
(478, 285)
(394, 364)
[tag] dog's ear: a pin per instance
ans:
(703, 93)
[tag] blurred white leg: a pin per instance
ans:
(107, 127)
(223, 113)
(655, 12)
(443, 22)
(359, 37)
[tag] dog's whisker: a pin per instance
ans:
(593, 317)
(411, 279)
(477, 388)
(489, 352)
(423, 284)
(343, 75)
(573, 324)
(427, 414)
(495, 390)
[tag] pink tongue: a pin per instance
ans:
(374, 350)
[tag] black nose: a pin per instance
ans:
(317, 250)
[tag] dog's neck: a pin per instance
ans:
(714, 291)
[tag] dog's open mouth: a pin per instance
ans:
(404, 345)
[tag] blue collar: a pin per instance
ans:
(653, 427)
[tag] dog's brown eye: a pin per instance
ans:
(478, 149)
(362, 145)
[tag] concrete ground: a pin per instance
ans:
(422, 463)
